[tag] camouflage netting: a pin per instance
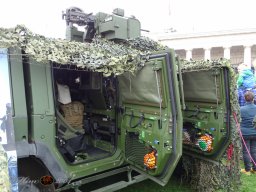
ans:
(100, 55)
(205, 176)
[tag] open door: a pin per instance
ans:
(207, 116)
(151, 118)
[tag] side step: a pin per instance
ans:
(121, 184)
(111, 187)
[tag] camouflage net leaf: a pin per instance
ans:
(224, 175)
(100, 55)
(5, 185)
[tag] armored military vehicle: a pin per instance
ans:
(107, 101)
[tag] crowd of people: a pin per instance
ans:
(246, 84)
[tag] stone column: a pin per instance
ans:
(227, 52)
(188, 54)
(248, 55)
(207, 53)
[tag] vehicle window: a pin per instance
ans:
(201, 86)
(141, 88)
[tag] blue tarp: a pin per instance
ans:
(246, 79)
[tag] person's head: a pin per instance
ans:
(249, 96)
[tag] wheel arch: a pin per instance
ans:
(39, 155)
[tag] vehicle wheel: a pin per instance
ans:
(27, 187)
(31, 173)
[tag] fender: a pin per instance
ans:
(41, 151)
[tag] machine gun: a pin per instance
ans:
(77, 16)
(110, 26)
(74, 15)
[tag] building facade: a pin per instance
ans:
(237, 45)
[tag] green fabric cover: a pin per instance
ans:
(201, 86)
(141, 87)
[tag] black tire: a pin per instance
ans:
(27, 187)
(31, 171)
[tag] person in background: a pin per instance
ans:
(254, 66)
(241, 99)
(246, 82)
(248, 112)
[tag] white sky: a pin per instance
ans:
(44, 16)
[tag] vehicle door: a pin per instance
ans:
(151, 118)
(207, 116)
